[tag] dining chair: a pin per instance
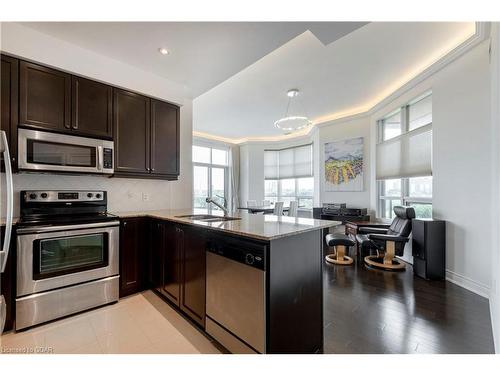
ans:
(252, 203)
(278, 209)
(293, 210)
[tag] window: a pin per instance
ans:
(391, 126)
(210, 175)
(288, 176)
(414, 191)
(404, 168)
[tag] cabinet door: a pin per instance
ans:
(156, 258)
(9, 105)
(131, 125)
(172, 263)
(131, 248)
(193, 273)
(164, 139)
(45, 97)
(92, 108)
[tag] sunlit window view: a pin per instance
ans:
(413, 122)
(210, 176)
(288, 176)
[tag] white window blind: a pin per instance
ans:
(294, 162)
(409, 155)
(271, 164)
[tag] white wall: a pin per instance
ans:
(124, 194)
(251, 172)
(461, 163)
(358, 127)
(495, 121)
(252, 162)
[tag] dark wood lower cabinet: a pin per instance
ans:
(178, 267)
(133, 254)
(192, 243)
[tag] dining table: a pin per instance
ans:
(264, 209)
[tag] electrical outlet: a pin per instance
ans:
(145, 196)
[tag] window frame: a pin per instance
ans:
(211, 166)
(404, 197)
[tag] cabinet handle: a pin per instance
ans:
(76, 107)
(124, 223)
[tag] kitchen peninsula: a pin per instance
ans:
(252, 282)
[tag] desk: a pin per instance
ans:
(352, 229)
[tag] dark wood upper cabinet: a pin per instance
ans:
(146, 131)
(45, 97)
(164, 138)
(131, 133)
(92, 108)
(9, 104)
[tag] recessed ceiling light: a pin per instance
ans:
(163, 51)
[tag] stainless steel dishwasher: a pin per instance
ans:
(236, 294)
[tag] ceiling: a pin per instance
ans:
(345, 77)
(202, 54)
(239, 72)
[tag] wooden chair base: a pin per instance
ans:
(381, 262)
(339, 257)
(332, 258)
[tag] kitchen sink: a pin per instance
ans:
(208, 218)
(221, 218)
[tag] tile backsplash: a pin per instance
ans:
(124, 194)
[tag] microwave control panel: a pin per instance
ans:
(108, 158)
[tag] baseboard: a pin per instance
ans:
(467, 283)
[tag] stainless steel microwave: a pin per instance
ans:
(41, 151)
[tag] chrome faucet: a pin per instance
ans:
(223, 208)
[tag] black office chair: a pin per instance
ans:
(387, 242)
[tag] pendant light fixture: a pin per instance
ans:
(293, 119)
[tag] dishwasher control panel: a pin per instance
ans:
(250, 254)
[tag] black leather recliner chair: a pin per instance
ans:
(387, 242)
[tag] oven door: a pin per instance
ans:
(54, 257)
(43, 151)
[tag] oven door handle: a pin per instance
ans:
(59, 228)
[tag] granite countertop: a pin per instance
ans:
(262, 227)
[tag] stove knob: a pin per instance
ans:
(90, 195)
(32, 196)
(98, 196)
(44, 195)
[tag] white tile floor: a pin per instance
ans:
(141, 324)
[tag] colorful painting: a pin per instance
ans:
(344, 165)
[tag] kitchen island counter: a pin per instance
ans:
(255, 284)
(260, 227)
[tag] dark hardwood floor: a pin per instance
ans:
(371, 311)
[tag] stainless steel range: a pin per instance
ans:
(67, 255)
